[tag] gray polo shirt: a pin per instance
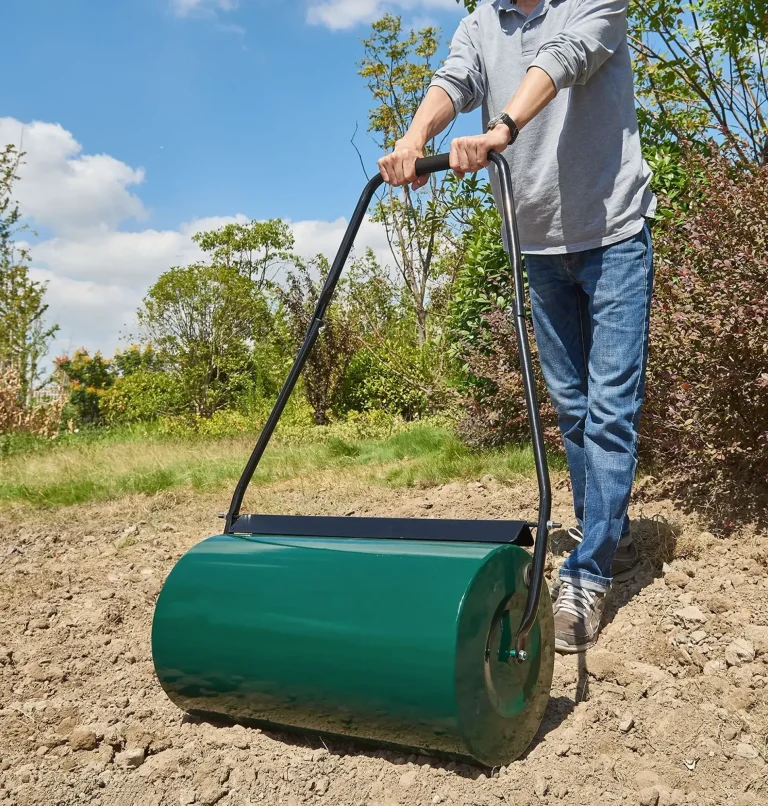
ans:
(579, 177)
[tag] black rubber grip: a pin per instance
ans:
(432, 165)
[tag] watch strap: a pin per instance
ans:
(508, 122)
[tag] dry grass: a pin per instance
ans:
(108, 469)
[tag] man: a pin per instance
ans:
(554, 79)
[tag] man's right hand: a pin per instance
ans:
(399, 167)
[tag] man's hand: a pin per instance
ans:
(399, 167)
(469, 154)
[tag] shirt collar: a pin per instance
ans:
(509, 5)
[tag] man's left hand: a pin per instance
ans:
(469, 154)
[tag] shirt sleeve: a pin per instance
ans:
(462, 75)
(593, 33)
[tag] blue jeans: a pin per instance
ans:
(590, 314)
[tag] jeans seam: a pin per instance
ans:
(586, 416)
(636, 427)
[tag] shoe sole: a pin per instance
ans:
(629, 574)
(570, 649)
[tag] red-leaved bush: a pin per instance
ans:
(704, 432)
(494, 410)
(705, 425)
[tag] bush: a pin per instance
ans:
(337, 342)
(17, 416)
(143, 396)
(484, 345)
(88, 378)
(706, 416)
(371, 385)
(494, 410)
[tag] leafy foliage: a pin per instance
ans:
(706, 416)
(256, 250)
(700, 71)
(143, 396)
(338, 340)
(203, 319)
(398, 67)
(87, 377)
(24, 335)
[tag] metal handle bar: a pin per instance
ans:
(428, 165)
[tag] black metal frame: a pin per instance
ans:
(395, 528)
(438, 529)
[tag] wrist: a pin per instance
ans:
(410, 142)
(505, 127)
(500, 136)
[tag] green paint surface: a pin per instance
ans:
(392, 642)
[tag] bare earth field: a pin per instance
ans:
(670, 708)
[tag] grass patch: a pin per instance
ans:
(108, 466)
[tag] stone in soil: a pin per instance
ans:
(739, 651)
(648, 797)
(131, 758)
(82, 739)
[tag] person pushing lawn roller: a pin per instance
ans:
(432, 634)
(554, 79)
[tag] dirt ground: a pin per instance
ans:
(670, 708)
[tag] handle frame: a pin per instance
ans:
(429, 165)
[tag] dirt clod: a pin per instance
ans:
(648, 797)
(132, 757)
(82, 739)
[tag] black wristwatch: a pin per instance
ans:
(508, 122)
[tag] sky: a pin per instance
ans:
(145, 121)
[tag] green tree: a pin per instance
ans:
(700, 71)
(257, 250)
(24, 334)
(136, 358)
(88, 378)
(204, 321)
(398, 67)
(327, 364)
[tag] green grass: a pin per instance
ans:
(105, 466)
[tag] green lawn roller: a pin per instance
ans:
(426, 634)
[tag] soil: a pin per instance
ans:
(671, 707)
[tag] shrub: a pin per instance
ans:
(142, 396)
(18, 417)
(372, 385)
(483, 342)
(88, 377)
(329, 359)
(494, 410)
(706, 416)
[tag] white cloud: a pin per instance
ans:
(344, 14)
(96, 273)
(184, 8)
(66, 190)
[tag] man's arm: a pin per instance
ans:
(468, 154)
(433, 115)
(458, 86)
(594, 32)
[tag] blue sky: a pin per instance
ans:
(145, 119)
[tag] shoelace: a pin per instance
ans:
(579, 602)
(575, 534)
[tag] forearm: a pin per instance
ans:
(433, 115)
(536, 90)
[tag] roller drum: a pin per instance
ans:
(395, 642)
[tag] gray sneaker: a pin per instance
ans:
(626, 561)
(578, 612)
